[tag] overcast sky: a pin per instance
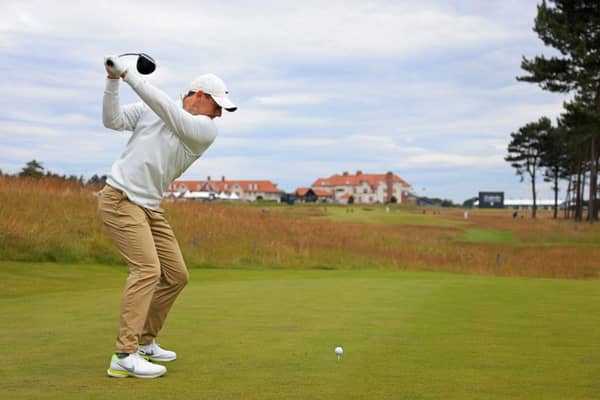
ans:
(425, 89)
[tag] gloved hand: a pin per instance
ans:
(115, 65)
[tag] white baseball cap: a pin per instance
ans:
(213, 85)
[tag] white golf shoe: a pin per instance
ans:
(153, 352)
(134, 365)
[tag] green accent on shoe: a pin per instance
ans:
(113, 372)
(121, 355)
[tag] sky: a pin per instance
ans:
(425, 89)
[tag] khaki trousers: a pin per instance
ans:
(157, 272)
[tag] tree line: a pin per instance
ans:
(35, 169)
(567, 150)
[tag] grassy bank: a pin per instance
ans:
(270, 334)
(46, 220)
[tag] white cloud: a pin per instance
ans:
(267, 30)
(26, 131)
(39, 91)
(441, 160)
(19, 17)
(289, 99)
(68, 119)
(252, 119)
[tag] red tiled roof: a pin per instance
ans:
(355, 180)
(318, 192)
(262, 186)
(302, 191)
(192, 186)
(322, 193)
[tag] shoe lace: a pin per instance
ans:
(139, 360)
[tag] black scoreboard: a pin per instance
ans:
(491, 199)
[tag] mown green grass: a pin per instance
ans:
(270, 334)
(488, 236)
(380, 215)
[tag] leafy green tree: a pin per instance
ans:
(447, 203)
(435, 201)
(579, 122)
(571, 27)
(554, 160)
(96, 180)
(33, 169)
(470, 202)
(525, 152)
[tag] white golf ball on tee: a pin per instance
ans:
(339, 351)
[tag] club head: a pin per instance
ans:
(145, 64)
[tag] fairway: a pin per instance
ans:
(271, 334)
(380, 215)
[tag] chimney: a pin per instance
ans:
(359, 172)
(389, 180)
(345, 173)
(223, 179)
(208, 178)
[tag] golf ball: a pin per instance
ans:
(339, 351)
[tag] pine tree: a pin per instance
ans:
(573, 28)
(33, 168)
(554, 160)
(525, 152)
(579, 122)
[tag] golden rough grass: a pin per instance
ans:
(50, 220)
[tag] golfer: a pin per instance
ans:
(166, 139)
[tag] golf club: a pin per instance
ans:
(145, 64)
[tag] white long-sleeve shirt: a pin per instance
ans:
(166, 140)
